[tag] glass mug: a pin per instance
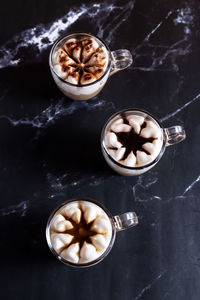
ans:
(117, 60)
(80, 251)
(137, 128)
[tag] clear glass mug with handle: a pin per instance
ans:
(133, 141)
(70, 86)
(81, 231)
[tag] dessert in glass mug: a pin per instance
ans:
(81, 63)
(133, 141)
(81, 232)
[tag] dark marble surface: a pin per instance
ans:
(50, 150)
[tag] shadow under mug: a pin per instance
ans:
(117, 60)
(118, 223)
(170, 136)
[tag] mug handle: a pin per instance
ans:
(174, 135)
(125, 220)
(121, 59)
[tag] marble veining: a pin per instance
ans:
(164, 57)
(141, 193)
(150, 285)
(57, 110)
(178, 110)
(158, 259)
(20, 209)
(60, 184)
(191, 185)
(140, 189)
(40, 37)
(185, 16)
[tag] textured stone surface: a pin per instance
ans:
(50, 150)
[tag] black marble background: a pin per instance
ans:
(50, 150)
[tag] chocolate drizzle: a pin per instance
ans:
(132, 141)
(81, 232)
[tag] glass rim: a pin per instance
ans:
(93, 262)
(71, 35)
(104, 148)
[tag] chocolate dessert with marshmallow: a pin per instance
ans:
(80, 61)
(133, 140)
(80, 232)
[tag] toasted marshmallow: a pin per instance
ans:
(60, 57)
(130, 161)
(101, 225)
(63, 64)
(151, 130)
(90, 213)
(76, 53)
(89, 47)
(117, 154)
(97, 71)
(136, 122)
(60, 240)
(73, 78)
(60, 224)
(71, 254)
(98, 58)
(143, 158)
(59, 71)
(87, 78)
(88, 253)
(71, 45)
(112, 141)
(74, 213)
(99, 241)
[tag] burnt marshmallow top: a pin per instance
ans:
(80, 61)
(80, 232)
(133, 141)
